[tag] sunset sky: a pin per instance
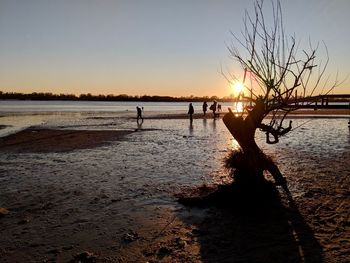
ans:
(148, 47)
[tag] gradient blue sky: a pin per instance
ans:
(148, 47)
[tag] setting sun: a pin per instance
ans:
(238, 87)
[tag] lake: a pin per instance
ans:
(96, 106)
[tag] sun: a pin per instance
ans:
(238, 87)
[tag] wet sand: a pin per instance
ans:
(49, 140)
(110, 196)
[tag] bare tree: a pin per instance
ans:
(283, 77)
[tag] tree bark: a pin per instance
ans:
(253, 161)
(250, 163)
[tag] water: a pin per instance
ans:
(16, 115)
(21, 106)
(7, 106)
(171, 153)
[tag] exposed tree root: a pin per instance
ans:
(248, 188)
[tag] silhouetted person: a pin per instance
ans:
(219, 107)
(205, 107)
(139, 113)
(191, 111)
(213, 108)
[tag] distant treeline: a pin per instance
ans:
(121, 97)
(90, 97)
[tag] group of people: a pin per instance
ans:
(215, 107)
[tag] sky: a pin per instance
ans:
(147, 47)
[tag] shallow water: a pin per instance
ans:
(104, 192)
(169, 154)
(7, 106)
(320, 148)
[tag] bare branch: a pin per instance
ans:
(284, 75)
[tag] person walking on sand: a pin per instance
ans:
(205, 107)
(139, 114)
(190, 112)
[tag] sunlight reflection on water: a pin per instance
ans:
(238, 107)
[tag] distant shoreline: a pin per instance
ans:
(122, 97)
(42, 96)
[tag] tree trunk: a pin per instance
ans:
(249, 164)
(252, 161)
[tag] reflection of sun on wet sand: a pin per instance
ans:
(64, 195)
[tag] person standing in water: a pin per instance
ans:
(139, 113)
(190, 112)
(205, 107)
(213, 108)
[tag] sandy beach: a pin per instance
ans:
(102, 188)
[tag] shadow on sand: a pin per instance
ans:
(249, 224)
